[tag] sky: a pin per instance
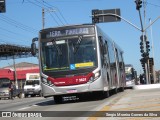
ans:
(23, 20)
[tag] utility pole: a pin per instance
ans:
(15, 72)
(154, 74)
(145, 33)
(43, 19)
(43, 16)
(143, 39)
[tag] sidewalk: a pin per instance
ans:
(149, 86)
(141, 103)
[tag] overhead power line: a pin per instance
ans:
(58, 11)
(54, 19)
(46, 6)
(17, 24)
(153, 4)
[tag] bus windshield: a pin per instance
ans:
(129, 77)
(69, 54)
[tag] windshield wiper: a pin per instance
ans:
(77, 44)
(58, 49)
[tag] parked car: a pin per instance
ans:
(5, 91)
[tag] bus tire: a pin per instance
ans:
(58, 99)
(122, 89)
(25, 95)
(115, 90)
(105, 94)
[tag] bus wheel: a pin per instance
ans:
(105, 94)
(58, 99)
(25, 95)
(115, 90)
(122, 89)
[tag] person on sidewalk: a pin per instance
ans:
(11, 88)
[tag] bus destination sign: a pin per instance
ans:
(67, 32)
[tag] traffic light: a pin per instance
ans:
(2, 6)
(138, 4)
(145, 54)
(147, 46)
(143, 61)
(95, 18)
(141, 47)
(151, 65)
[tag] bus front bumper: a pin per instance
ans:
(74, 89)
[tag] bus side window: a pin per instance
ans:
(101, 49)
(106, 48)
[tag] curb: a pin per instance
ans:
(149, 86)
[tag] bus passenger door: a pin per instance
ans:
(103, 55)
(108, 71)
(118, 80)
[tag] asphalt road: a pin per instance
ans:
(74, 109)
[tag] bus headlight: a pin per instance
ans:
(49, 82)
(91, 79)
(44, 80)
(97, 75)
(94, 76)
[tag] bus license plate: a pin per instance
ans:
(72, 91)
(30, 92)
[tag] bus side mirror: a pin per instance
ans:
(33, 48)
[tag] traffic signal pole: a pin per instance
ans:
(95, 19)
(145, 56)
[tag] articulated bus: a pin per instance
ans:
(78, 59)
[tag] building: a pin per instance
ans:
(20, 73)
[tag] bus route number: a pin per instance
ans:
(81, 80)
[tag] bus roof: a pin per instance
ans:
(128, 65)
(78, 26)
(68, 26)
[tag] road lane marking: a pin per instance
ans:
(130, 103)
(98, 113)
(137, 107)
(154, 109)
(106, 107)
(24, 108)
(34, 105)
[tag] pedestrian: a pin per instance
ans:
(11, 88)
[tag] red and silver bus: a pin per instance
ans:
(78, 59)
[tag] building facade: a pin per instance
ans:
(19, 74)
